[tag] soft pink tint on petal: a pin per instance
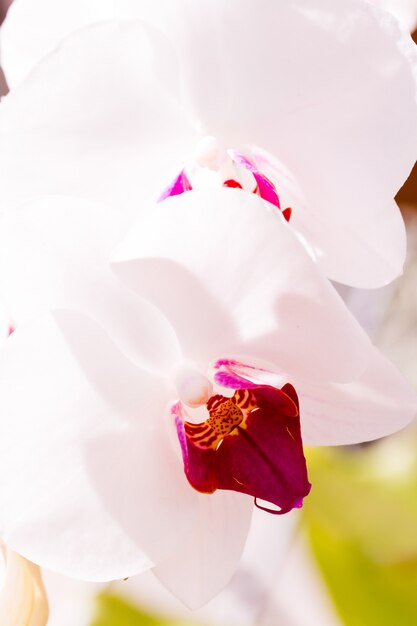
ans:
(378, 403)
(227, 271)
(366, 254)
(206, 560)
(32, 29)
(89, 485)
(98, 117)
(404, 10)
(54, 254)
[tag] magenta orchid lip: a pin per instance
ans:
(251, 443)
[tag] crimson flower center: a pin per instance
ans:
(250, 442)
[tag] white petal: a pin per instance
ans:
(71, 602)
(233, 280)
(207, 559)
(32, 30)
(89, 484)
(367, 253)
(378, 403)
(54, 254)
(243, 598)
(98, 117)
(404, 10)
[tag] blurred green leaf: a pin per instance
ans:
(115, 611)
(361, 519)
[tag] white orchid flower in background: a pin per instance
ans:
(314, 85)
(22, 596)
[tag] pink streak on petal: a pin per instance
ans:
(178, 415)
(266, 189)
(11, 330)
(177, 187)
(232, 381)
(230, 374)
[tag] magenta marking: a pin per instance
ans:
(179, 185)
(266, 189)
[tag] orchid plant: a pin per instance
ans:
(172, 203)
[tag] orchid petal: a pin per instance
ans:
(206, 560)
(379, 403)
(376, 404)
(54, 254)
(234, 281)
(85, 460)
(30, 31)
(99, 117)
(404, 10)
(367, 253)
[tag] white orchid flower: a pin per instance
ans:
(23, 600)
(227, 322)
(319, 96)
(92, 479)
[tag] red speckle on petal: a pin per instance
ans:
(232, 183)
(287, 213)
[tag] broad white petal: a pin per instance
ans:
(233, 280)
(379, 403)
(98, 117)
(240, 602)
(367, 253)
(206, 560)
(89, 484)
(404, 10)
(54, 254)
(32, 30)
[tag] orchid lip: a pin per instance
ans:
(250, 443)
(213, 164)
